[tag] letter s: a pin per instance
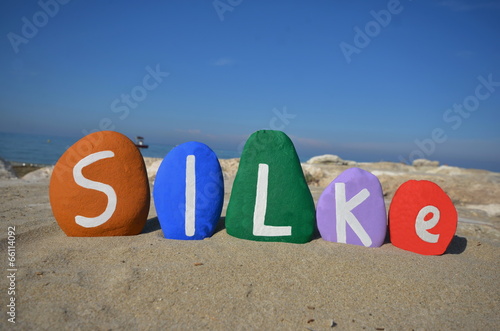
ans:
(91, 222)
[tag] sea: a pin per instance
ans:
(46, 150)
(42, 150)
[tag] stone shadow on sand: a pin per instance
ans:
(457, 245)
(221, 225)
(152, 225)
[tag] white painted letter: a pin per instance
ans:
(421, 225)
(259, 214)
(190, 195)
(344, 214)
(91, 222)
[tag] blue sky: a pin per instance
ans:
(367, 80)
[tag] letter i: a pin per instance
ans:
(190, 195)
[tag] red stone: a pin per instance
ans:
(422, 218)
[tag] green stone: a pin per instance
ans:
(282, 212)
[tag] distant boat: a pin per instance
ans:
(139, 142)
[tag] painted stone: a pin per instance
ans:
(99, 187)
(189, 192)
(422, 218)
(351, 210)
(270, 199)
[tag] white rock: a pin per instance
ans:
(148, 161)
(312, 173)
(329, 159)
(387, 173)
(447, 170)
(39, 174)
(425, 163)
(492, 210)
(6, 171)
(152, 168)
(229, 166)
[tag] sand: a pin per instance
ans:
(146, 282)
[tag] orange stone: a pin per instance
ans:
(422, 218)
(99, 187)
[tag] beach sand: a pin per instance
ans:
(146, 282)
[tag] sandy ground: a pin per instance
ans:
(146, 282)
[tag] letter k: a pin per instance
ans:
(344, 214)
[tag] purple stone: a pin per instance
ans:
(351, 210)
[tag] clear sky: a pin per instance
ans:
(366, 80)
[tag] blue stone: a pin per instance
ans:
(189, 192)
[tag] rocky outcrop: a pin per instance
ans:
(149, 161)
(6, 171)
(425, 163)
(229, 167)
(312, 173)
(330, 159)
(40, 174)
(152, 165)
(490, 210)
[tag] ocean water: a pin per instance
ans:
(46, 150)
